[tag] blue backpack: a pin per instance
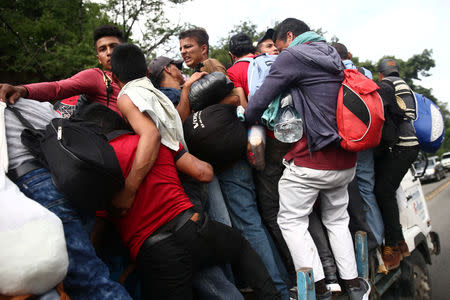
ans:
(429, 124)
(258, 69)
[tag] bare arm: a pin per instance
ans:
(146, 153)
(184, 107)
(11, 93)
(194, 167)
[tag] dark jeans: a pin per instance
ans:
(266, 183)
(390, 168)
(167, 267)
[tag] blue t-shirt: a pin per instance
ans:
(172, 93)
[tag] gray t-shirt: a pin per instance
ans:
(39, 114)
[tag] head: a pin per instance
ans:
(194, 46)
(240, 45)
(128, 63)
(163, 69)
(388, 67)
(266, 44)
(287, 31)
(106, 38)
(342, 50)
(107, 119)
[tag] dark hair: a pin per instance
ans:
(107, 30)
(295, 26)
(341, 49)
(107, 119)
(241, 44)
(198, 34)
(128, 62)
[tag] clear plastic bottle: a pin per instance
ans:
(256, 147)
(288, 125)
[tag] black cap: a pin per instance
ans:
(239, 41)
(267, 35)
(388, 66)
(156, 66)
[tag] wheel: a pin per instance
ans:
(414, 282)
(438, 176)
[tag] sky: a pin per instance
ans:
(369, 29)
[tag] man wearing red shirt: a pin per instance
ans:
(92, 82)
(169, 240)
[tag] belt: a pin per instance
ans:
(26, 167)
(171, 227)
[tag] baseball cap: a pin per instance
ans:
(388, 66)
(156, 65)
(267, 35)
(239, 41)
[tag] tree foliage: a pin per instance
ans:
(46, 39)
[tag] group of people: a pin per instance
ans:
(193, 231)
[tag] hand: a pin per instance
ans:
(12, 93)
(196, 76)
(123, 201)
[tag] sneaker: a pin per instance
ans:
(359, 293)
(293, 293)
(326, 296)
(391, 257)
(403, 248)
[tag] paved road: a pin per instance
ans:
(439, 207)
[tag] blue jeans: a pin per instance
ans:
(88, 276)
(365, 175)
(239, 193)
(215, 206)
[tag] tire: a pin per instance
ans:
(414, 282)
(438, 177)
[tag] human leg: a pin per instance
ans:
(365, 174)
(266, 184)
(88, 276)
(215, 206)
(211, 283)
(239, 193)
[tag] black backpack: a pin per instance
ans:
(84, 167)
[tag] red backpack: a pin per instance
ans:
(359, 112)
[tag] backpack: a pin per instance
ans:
(406, 101)
(258, 69)
(359, 112)
(429, 124)
(216, 135)
(84, 167)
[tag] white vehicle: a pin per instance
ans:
(445, 160)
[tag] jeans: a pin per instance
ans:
(87, 276)
(210, 283)
(215, 206)
(166, 268)
(365, 174)
(239, 192)
(390, 168)
(268, 199)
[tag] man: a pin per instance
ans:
(92, 82)
(236, 182)
(88, 276)
(165, 74)
(266, 180)
(163, 272)
(394, 157)
(315, 165)
(266, 44)
(365, 171)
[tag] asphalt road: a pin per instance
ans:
(438, 194)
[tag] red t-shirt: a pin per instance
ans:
(159, 198)
(238, 75)
(331, 157)
(89, 82)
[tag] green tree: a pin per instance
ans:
(46, 39)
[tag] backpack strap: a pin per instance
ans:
(19, 116)
(107, 80)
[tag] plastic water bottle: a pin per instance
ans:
(256, 147)
(288, 125)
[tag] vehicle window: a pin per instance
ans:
(446, 156)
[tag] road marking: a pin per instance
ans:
(437, 191)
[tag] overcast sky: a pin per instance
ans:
(369, 29)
